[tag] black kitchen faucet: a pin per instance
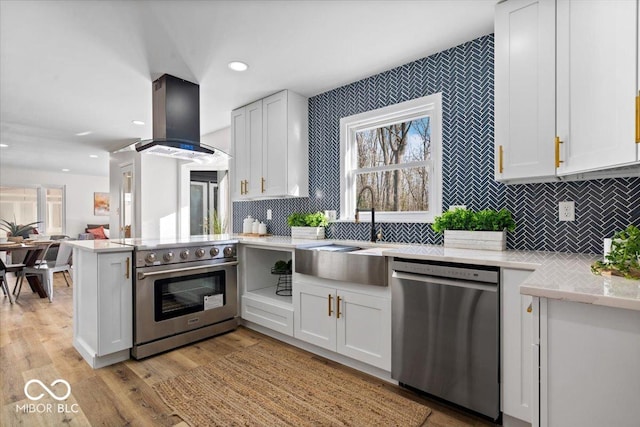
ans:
(374, 236)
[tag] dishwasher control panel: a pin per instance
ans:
(458, 271)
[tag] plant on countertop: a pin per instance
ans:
(302, 219)
(465, 219)
(624, 257)
(14, 229)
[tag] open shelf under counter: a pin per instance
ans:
(269, 295)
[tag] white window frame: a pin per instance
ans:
(430, 105)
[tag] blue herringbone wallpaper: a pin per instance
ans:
(464, 75)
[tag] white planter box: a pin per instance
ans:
(491, 240)
(314, 233)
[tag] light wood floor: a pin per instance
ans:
(36, 343)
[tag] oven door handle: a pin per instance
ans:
(142, 276)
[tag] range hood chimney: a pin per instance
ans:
(176, 121)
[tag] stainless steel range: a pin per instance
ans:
(184, 291)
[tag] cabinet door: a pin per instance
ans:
(115, 303)
(597, 71)
(253, 135)
(274, 136)
(241, 152)
(315, 321)
(524, 89)
(364, 328)
(516, 355)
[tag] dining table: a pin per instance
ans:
(28, 251)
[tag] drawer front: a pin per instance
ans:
(279, 319)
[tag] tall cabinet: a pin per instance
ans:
(271, 143)
(566, 88)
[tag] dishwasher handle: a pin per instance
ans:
(440, 281)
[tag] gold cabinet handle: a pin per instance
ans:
(262, 184)
(500, 159)
(241, 187)
(246, 187)
(638, 118)
(530, 308)
(330, 300)
(338, 308)
(127, 265)
(558, 161)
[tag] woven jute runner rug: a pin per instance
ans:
(272, 385)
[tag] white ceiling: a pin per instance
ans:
(69, 66)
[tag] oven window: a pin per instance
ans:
(182, 295)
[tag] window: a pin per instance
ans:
(30, 204)
(396, 152)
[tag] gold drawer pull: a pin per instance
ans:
(530, 308)
(500, 159)
(638, 118)
(338, 308)
(558, 161)
(330, 300)
(262, 184)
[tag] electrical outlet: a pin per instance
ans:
(567, 211)
(454, 207)
(269, 214)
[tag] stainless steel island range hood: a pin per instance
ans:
(176, 121)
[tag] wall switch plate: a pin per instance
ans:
(567, 211)
(269, 215)
(454, 207)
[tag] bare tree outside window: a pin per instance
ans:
(392, 160)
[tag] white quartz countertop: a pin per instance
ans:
(556, 275)
(100, 245)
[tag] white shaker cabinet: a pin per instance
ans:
(271, 154)
(588, 356)
(354, 324)
(525, 114)
(597, 69)
(103, 306)
(246, 135)
(516, 332)
(566, 88)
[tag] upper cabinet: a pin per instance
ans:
(597, 72)
(566, 88)
(525, 110)
(271, 148)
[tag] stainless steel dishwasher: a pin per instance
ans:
(446, 332)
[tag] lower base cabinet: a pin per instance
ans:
(589, 358)
(516, 356)
(354, 324)
(102, 306)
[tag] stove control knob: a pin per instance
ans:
(184, 254)
(228, 252)
(199, 253)
(168, 256)
(151, 258)
(214, 252)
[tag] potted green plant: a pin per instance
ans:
(307, 225)
(485, 229)
(15, 232)
(624, 257)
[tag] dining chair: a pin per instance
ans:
(9, 268)
(45, 269)
(32, 259)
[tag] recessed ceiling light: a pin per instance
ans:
(137, 122)
(84, 133)
(65, 170)
(237, 66)
(93, 156)
(3, 145)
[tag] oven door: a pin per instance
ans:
(173, 299)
